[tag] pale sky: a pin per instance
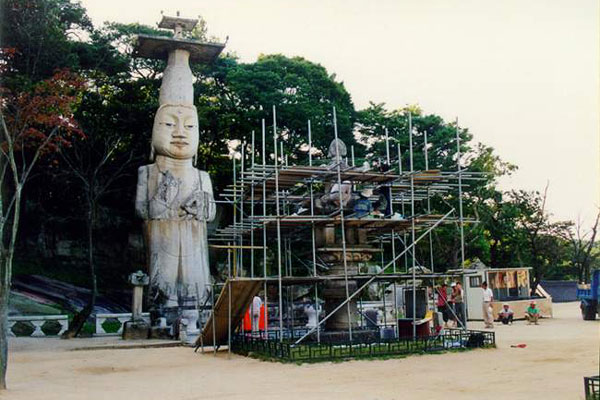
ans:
(522, 75)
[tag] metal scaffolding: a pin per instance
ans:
(265, 198)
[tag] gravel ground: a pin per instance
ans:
(559, 353)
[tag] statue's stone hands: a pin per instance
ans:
(194, 204)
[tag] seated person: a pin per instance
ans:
(382, 204)
(362, 206)
(506, 314)
(330, 202)
(532, 314)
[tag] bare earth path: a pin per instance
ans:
(559, 353)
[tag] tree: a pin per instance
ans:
(95, 162)
(33, 124)
(234, 97)
(499, 221)
(582, 249)
(40, 33)
(542, 240)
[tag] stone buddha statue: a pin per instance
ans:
(176, 201)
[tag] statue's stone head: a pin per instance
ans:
(337, 150)
(175, 132)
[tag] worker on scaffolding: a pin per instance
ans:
(362, 205)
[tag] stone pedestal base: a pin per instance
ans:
(334, 291)
(135, 330)
(334, 294)
(331, 250)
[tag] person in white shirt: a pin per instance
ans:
(256, 306)
(506, 314)
(488, 297)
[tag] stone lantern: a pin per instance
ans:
(137, 328)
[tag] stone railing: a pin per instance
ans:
(112, 324)
(106, 324)
(38, 322)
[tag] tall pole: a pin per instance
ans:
(461, 222)
(383, 283)
(387, 146)
(425, 144)
(412, 226)
(264, 204)
(278, 226)
(214, 327)
(402, 204)
(252, 209)
(228, 302)
(314, 241)
(241, 234)
(235, 206)
(425, 151)
(342, 224)
(389, 163)
(387, 157)
(309, 145)
(460, 204)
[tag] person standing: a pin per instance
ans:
(442, 302)
(451, 309)
(256, 306)
(459, 306)
(488, 297)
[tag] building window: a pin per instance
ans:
(475, 281)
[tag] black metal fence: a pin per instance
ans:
(270, 345)
(592, 387)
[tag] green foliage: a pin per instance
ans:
(42, 33)
(441, 136)
(301, 90)
(232, 98)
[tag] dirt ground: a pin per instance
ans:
(559, 353)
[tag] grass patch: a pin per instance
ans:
(310, 354)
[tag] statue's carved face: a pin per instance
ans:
(175, 131)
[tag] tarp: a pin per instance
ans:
(561, 291)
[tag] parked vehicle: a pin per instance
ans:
(589, 298)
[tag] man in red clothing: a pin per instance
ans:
(442, 302)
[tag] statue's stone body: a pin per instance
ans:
(176, 201)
